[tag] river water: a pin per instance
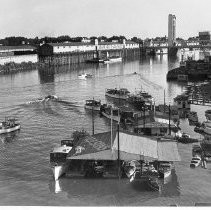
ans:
(26, 178)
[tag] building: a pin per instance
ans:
(18, 54)
(204, 37)
(171, 30)
(80, 47)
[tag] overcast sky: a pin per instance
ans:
(141, 18)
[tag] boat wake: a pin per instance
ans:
(45, 99)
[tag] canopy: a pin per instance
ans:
(131, 147)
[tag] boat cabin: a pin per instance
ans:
(68, 142)
(182, 102)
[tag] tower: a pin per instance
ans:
(171, 30)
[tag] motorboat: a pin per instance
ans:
(195, 162)
(46, 98)
(51, 97)
(58, 156)
(208, 114)
(192, 116)
(92, 105)
(121, 93)
(110, 112)
(207, 127)
(9, 125)
(113, 59)
(84, 76)
(181, 135)
(165, 169)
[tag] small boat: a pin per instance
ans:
(121, 93)
(113, 59)
(195, 162)
(95, 60)
(51, 97)
(58, 156)
(92, 105)
(165, 169)
(105, 110)
(196, 150)
(84, 76)
(9, 125)
(192, 116)
(47, 98)
(208, 114)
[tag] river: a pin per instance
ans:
(26, 178)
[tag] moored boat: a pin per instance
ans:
(165, 169)
(192, 116)
(121, 93)
(9, 125)
(84, 76)
(110, 112)
(92, 105)
(113, 59)
(58, 156)
(195, 162)
(208, 114)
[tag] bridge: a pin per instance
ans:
(178, 44)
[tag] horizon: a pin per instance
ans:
(86, 18)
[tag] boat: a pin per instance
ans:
(58, 156)
(113, 59)
(195, 162)
(105, 110)
(92, 105)
(206, 126)
(121, 93)
(51, 97)
(95, 60)
(9, 125)
(194, 69)
(196, 150)
(137, 101)
(165, 169)
(84, 76)
(47, 98)
(192, 116)
(208, 114)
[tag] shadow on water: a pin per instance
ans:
(172, 187)
(46, 75)
(9, 137)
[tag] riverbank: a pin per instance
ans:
(13, 67)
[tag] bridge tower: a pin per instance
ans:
(171, 30)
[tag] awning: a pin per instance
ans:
(131, 147)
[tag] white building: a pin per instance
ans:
(171, 30)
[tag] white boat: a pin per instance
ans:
(113, 60)
(121, 93)
(58, 156)
(92, 105)
(84, 76)
(9, 125)
(195, 162)
(40, 100)
(165, 169)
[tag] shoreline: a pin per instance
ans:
(13, 67)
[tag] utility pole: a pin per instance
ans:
(169, 120)
(93, 126)
(164, 101)
(119, 175)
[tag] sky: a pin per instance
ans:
(141, 18)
